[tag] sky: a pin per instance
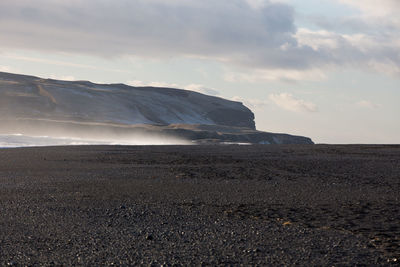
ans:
(326, 69)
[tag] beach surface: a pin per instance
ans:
(309, 205)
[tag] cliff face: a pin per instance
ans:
(33, 106)
(31, 97)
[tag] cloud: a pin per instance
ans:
(247, 33)
(191, 87)
(369, 52)
(289, 102)
(375, 17)
(251, 102)
(208, 28)
(59, 63)
(367, 104)
(202, 89)
(257, 3)
(259, 36)
(369, 39)
(5, 69)
(63, 77)
(374, 7)
(138, 83)
(269, 75)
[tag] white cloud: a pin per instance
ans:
(251, 102)
(367, 104)
(138, 83)
(191, 87)
(63, 77)
(202, 89)
(59, 63)
(5, 69)
(369, 39)
(372, 53)
(388, 67)
(270, 75)
(289, 102)
(318, 40)
(374, 7)
(381, 16)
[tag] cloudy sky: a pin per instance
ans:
(327, 69)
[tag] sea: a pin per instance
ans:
(21, 140)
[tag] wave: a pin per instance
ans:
(21, 140)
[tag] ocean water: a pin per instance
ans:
(20, 140)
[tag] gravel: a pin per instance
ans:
(194, 205)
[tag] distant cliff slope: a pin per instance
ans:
(31, 97)
(81, 109)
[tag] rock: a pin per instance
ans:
(82, 110)
(81, 101)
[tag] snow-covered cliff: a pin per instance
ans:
(31, 97)
(117, 113)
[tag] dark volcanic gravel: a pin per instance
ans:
(191, 205)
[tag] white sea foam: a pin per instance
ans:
(20, 140)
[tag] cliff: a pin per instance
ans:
(81, 109)
(31, 97)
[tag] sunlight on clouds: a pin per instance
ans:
(191, 87)
(63, 77)
(232, 32)
(317, 39)
(374, 7)
(367, 43)
(388, 67)
(367, 104)
(58, 63)
(266, 75)
(382, 15)
(260, 36)
(251, 102)
(372, 53)
(289, 102)
(202, 89)
(138, 83)
(5, 69)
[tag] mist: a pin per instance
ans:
(33, 133)
(19, 140)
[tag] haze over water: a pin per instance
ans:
(19, 140)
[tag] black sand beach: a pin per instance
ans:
(191, 205)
